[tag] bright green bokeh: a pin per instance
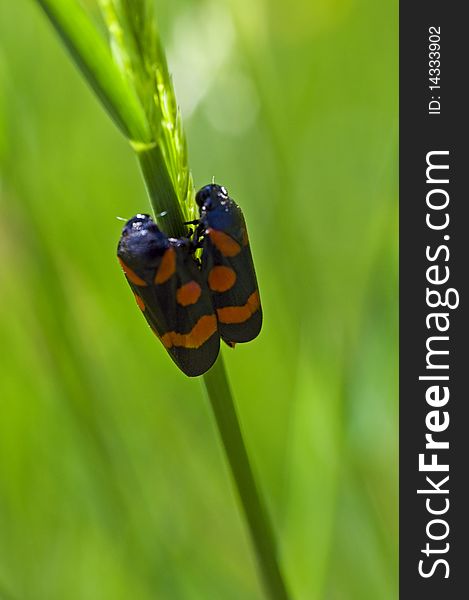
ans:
(113, 485)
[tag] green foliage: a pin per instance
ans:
(138, 52)
(91, 54)
(134, 86)
(140, 59)
(112, 480)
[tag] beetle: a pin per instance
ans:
(227, 265)
(171, 293)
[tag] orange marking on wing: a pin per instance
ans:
(140, 302)
(224, 243)
(188, 293)
(167, 266)
(131, 275)
(239, 314)
(205, 327)
(221, 279)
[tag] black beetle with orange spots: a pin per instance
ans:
(228, 266)
(171, 292)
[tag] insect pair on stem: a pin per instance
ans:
(191, 304)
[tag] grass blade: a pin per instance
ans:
(91, 54)
(132, 81)
(223, 406)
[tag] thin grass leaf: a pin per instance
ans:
(139, 78)
(91, 54)
(130, 76)
(138, 52)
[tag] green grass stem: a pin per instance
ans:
(223, 406)
(161, 191)
(133, 83)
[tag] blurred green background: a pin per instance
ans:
(113, 484)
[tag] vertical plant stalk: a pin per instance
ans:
(223, 406)
(160, 190)
(130, 76)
